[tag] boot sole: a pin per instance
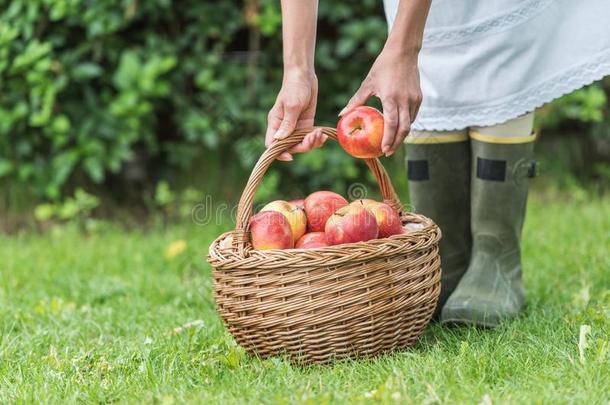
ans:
(468, 315)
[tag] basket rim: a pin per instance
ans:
(229, 258)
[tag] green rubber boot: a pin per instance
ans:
(439, 188)
(491, 290)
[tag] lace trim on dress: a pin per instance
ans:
(451, 35)
(453, 118)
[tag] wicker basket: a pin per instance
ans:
(351, 300)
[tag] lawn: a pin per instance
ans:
(105, 318)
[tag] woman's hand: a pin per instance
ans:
(294, 108)
(394, 79)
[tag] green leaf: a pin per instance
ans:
(85, 201)
(33, 51)
(128, 71)
(6, 167)
(345, 46)
(94, 168)
(234, 357)
(86, 71)
(164, 196)
(60, 124)
(44, 212)
(62, 165)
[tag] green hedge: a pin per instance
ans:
(87, 87)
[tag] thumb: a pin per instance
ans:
(289, 122)
(357, 100)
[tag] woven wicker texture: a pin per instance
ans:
(316, 305)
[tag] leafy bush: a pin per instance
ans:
(586, 106)
(88, 85)
(88, 88)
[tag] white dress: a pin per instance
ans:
(484, 62)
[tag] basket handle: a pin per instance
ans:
(244, 209)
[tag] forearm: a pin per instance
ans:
(299, 20)
(408, 29)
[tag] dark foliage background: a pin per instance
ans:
(116, 95)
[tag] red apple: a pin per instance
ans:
(360, 132)
(363, 201)
(311, 240)
(387, 218)
(294, 215)
(271, 230)
(319, 206)
(351, 224)
(299, 203)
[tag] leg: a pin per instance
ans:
(438, 166)
(502, 160)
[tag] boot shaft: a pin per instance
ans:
(501, 168)
(439, 187)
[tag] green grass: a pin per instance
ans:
(90, 319)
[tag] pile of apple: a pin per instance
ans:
(323, 219)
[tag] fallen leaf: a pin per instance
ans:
(188, 325)
(175, 248)
(582, 341)
(486, 400)
(581, 299)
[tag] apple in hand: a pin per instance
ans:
(311, 240)
(294, 215)
(351, 224)
(319, 206)
(271, 230)
(360, 132)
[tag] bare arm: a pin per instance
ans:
(299, 22)
(394, 77)
(295, 106)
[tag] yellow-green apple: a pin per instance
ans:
(387, 218)
(349, 224)
(299, 203)
(295, 215)
(360, 132)
(319, 206)
(271, 230)
(311, 240)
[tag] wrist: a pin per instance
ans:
(401, 53)
(299, 73)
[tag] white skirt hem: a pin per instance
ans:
(517, 104)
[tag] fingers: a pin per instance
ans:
(390, 126)
(285, 157)
(398, 112)
(312, 140)
(290, 117)
(404, 126)
(274, 121)
(414, 104)
(358, 99)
